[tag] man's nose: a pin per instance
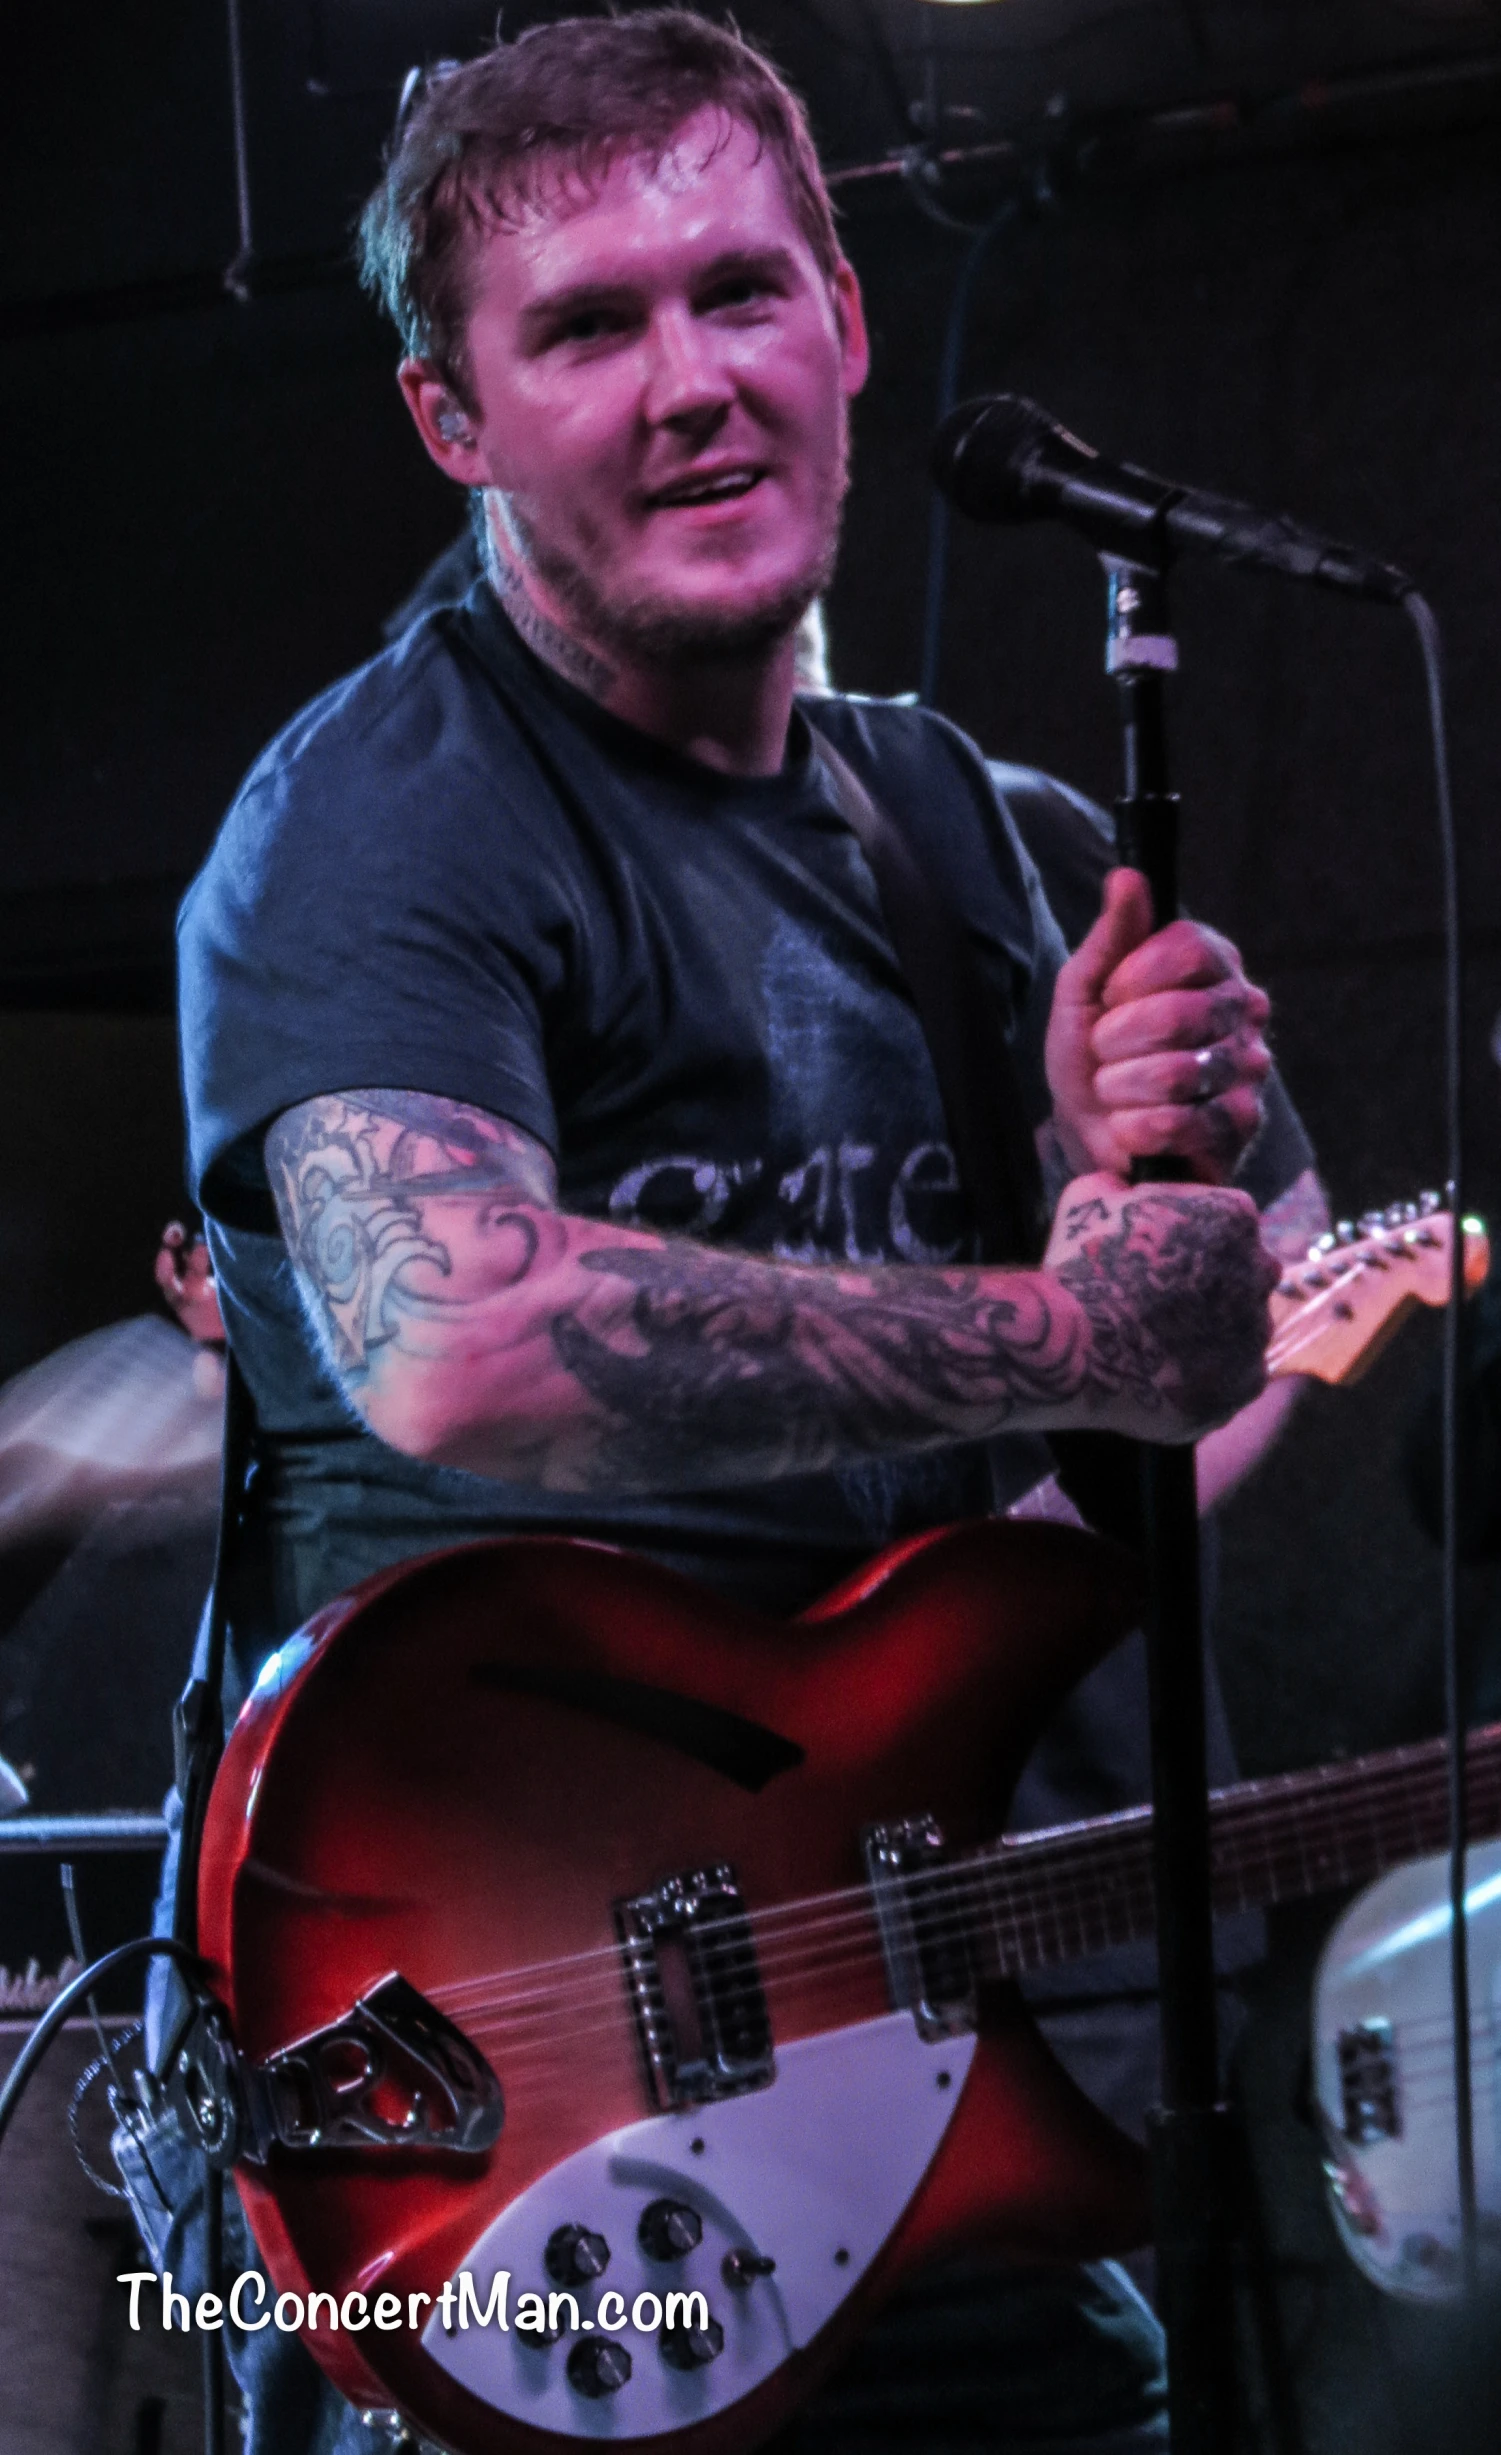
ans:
(687, 380)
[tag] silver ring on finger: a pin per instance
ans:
(1209, 1068)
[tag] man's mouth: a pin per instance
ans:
(708, 486)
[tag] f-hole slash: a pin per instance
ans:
(744, 1751)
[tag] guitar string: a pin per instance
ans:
(959, 1898)
(1419, 2096)
(1096, 1923)
(1066, 1891)
(1014, 1953)
(1242, 1813)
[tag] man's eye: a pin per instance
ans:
(744, 291)
(589, 324)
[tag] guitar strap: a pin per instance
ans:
(963, 1025)
(984, 1103)
(198, 1718)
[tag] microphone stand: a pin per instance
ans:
(1192, 2166)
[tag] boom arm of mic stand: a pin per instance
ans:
(1191, 2157)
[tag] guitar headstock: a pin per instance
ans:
(1334, 1311)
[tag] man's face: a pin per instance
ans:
(661, 375)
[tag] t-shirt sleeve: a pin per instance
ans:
(373, 914)
(1281, 1152)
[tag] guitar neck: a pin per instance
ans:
(1080, 1888)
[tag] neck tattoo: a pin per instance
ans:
(576, 663)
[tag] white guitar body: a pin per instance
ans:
(1384, 2078)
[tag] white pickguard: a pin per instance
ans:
(814, 2172)
(1395, 2198)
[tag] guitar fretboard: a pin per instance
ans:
(1058, 1895)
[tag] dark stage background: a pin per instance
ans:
(211, 506)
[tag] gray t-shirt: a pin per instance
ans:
(456, 874)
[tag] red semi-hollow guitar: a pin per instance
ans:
(592, 1939)
(673, 1870)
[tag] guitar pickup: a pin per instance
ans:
(922, 1926)
(1369, 2109)
(695, 1987)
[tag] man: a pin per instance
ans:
(538, 982)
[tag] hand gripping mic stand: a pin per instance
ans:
(1192, 2164)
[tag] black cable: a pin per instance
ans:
(117, 2091)
(237, 272)
(51, 2025)
(1425, 624)
(75, 1937)
(143, 1947)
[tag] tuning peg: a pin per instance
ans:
(1429, 1202)
(1346, 1232)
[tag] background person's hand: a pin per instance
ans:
(184, 1274)
(1154, 1044)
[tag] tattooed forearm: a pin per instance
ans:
(736, 1368)
(472, 1323)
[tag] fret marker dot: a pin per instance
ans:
(841, 2258)
(943, 2080)
(696, 2147)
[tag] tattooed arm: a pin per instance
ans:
(472, 1323)
(1226, 1457)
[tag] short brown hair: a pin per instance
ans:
(475, 147)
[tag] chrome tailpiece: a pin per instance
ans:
(393, 2073)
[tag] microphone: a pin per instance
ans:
(1003, 458)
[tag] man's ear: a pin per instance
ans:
(447, 429)
(849, 316)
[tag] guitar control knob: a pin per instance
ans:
(669, 2229)
(575, 2256)
(692, 2348)
(741, 2267)
(598, 2369)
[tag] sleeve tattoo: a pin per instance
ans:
(470, 1321)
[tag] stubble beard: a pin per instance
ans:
(647, 628)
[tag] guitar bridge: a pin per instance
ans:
(695, 1988)
(928, 1967)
